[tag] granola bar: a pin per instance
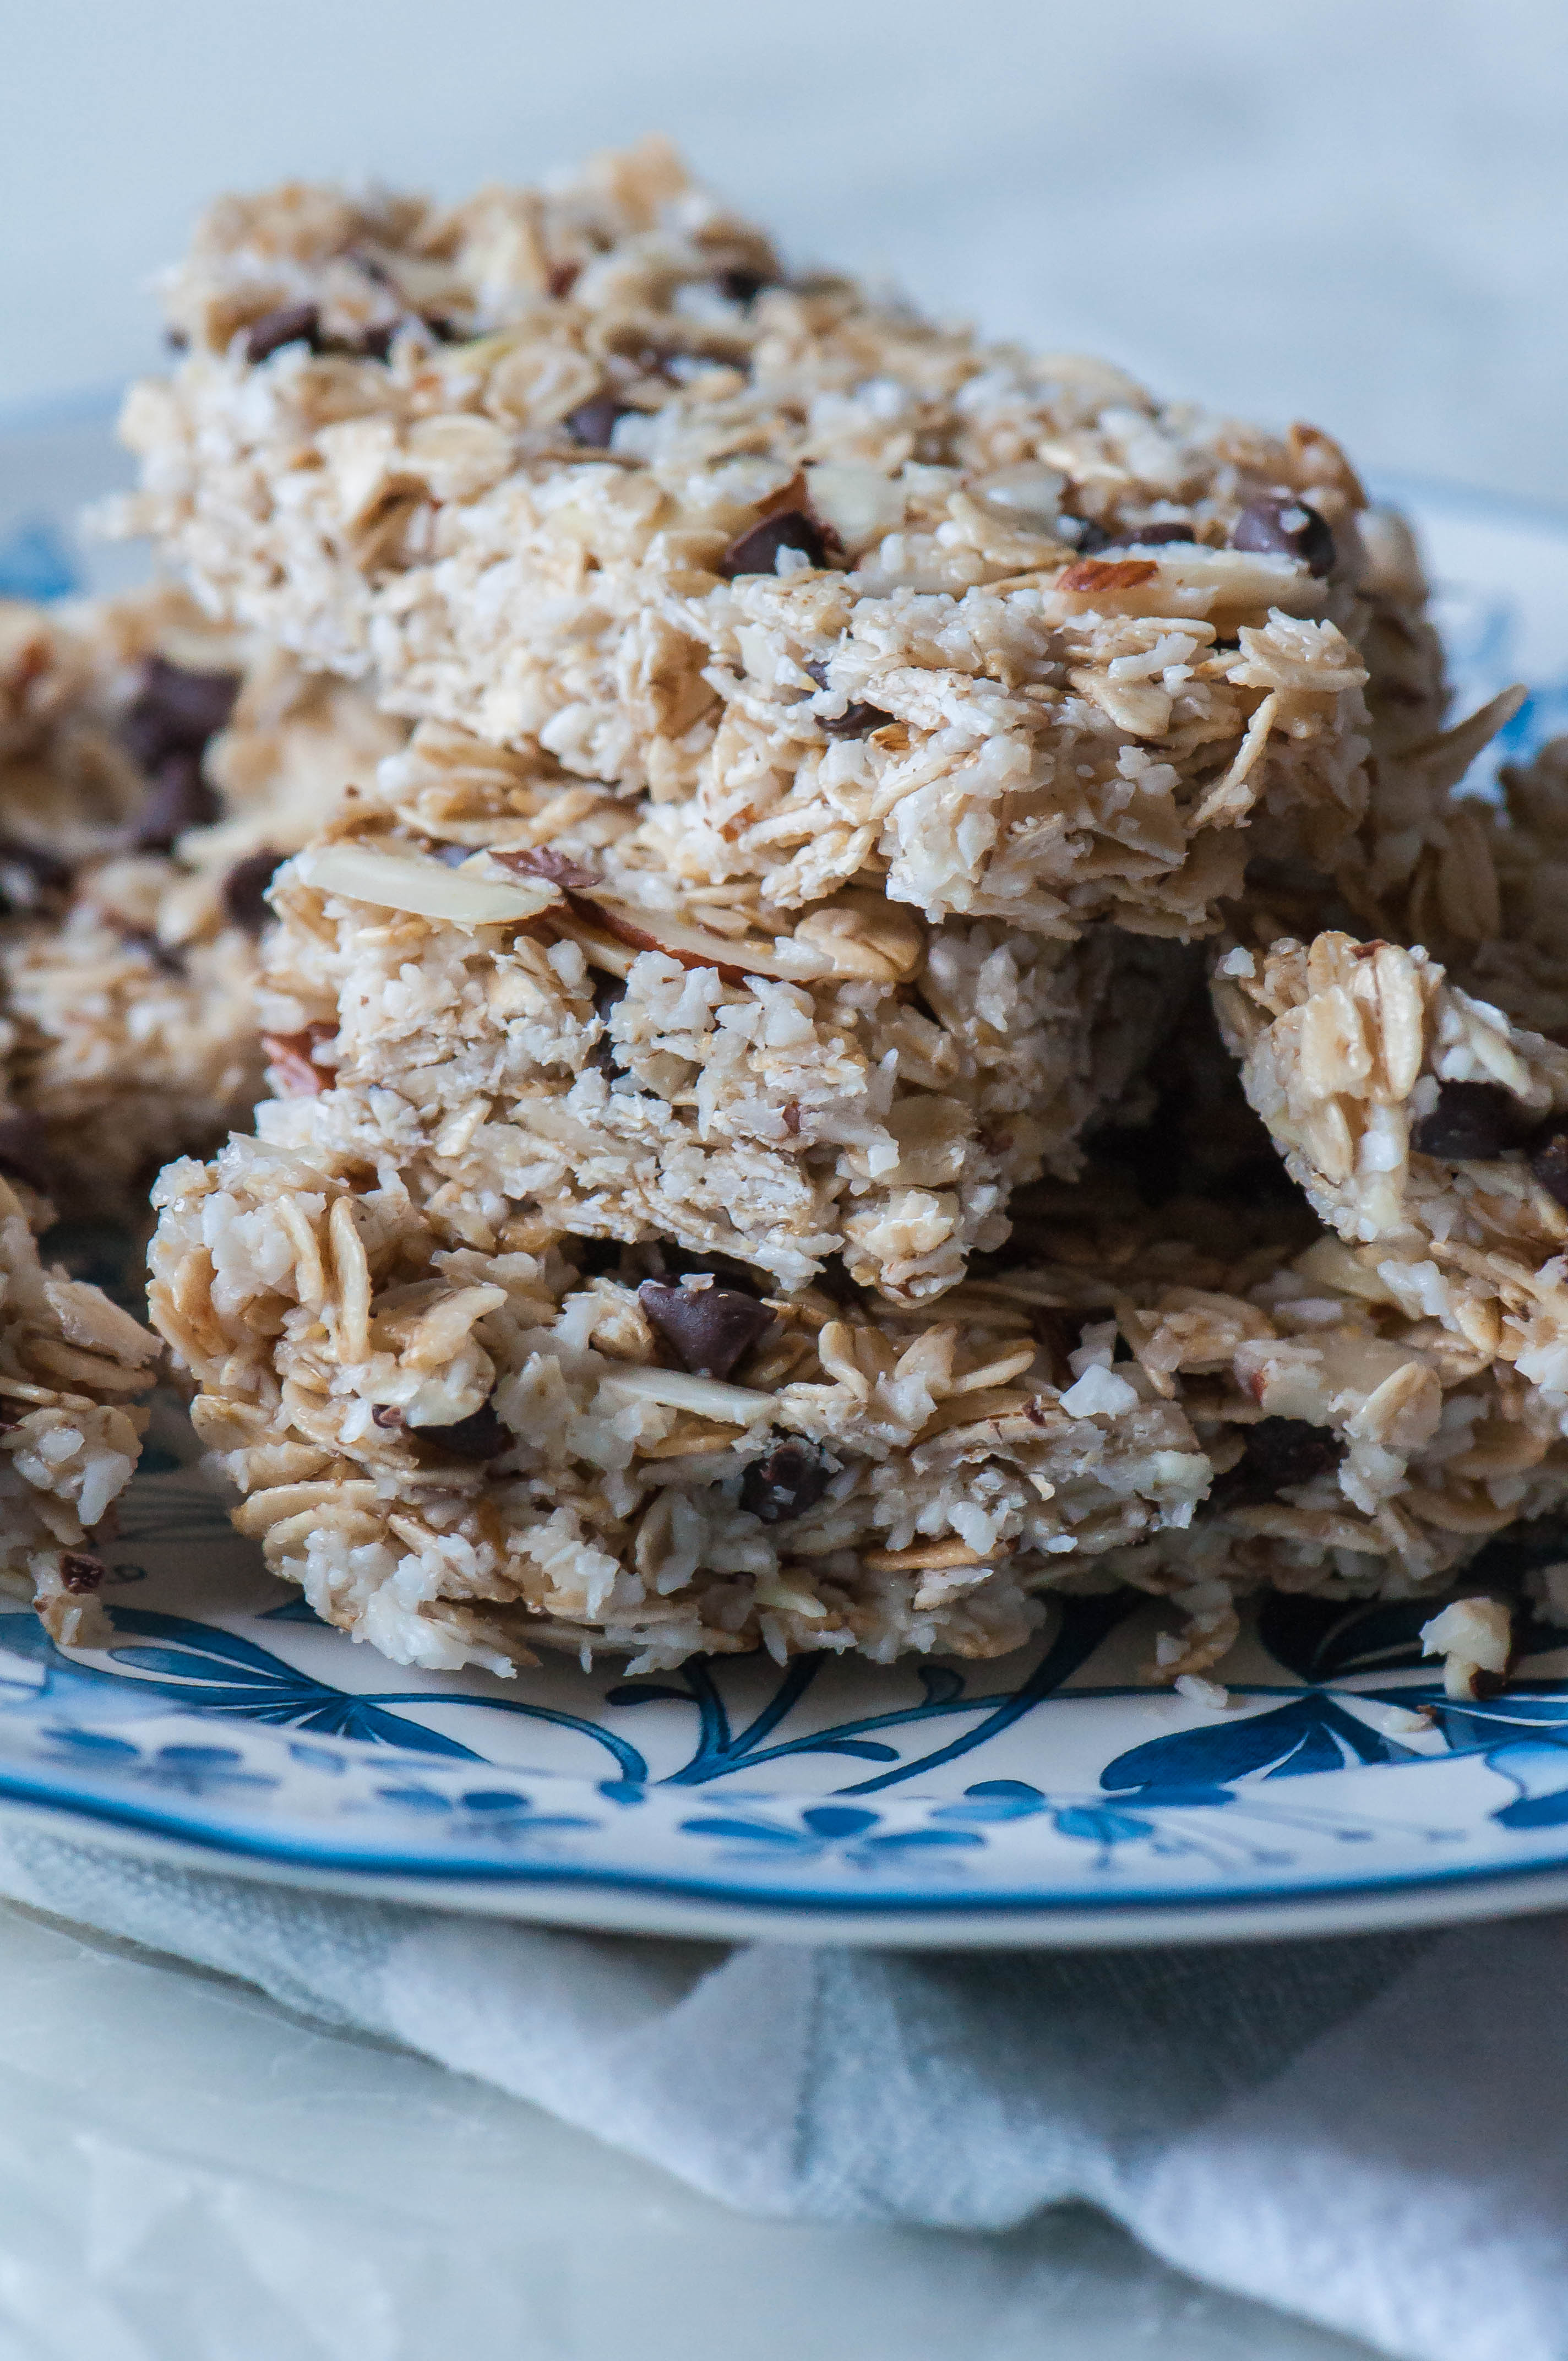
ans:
(480, 978)
(72, 1364)
(859, 600)
(1429, 1130)
(154, 769)
(461, 1453)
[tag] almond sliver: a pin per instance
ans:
(395, 881)
(735, 1405)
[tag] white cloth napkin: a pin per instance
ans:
(1371, 2133)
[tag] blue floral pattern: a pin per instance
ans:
(1051, 1780)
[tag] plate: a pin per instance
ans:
(1046, 1797)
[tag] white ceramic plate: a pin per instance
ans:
(1043, 1798)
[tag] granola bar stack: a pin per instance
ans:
(752, 1160)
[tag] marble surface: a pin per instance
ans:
(1345, 213)
(188, 2173)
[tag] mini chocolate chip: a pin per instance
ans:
(244, 888)
(1471, 1123)
(564, 277)
(592, 423)
(756, 551)
(791, 1479)
(481, 1435)
(25, 1149)
(80, 1573)
(710, 1327)
(180, 798)
(1281, 526)
(175, 711)
(28, 877)
(175, 340)
(1549, 1160)
(292, 323)
(741, 285)
(386, 1415)
(857, 720)
(544, 860)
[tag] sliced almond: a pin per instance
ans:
(395, 881)
(705, 1397)
(927, 1557)
(612, 934)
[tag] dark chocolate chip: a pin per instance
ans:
(791, 1479)
(1281, 526)
(387, 1416)
(175, 340)
(592, 423)
(175, 711)
(292, 323)
(1549, 1160)
(544, 860)
(1277, 1452)
(80, 1573)
(481, 1435)
(857, 720)
(756, 551)
(563, 277)
(28, 877)
(180, 798)
(741, 285)
(710, 1327)
(24, 1151)
(1471, 1123)
(244, 888)
(1290, 1450)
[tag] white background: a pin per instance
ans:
(1347, 210)
(1350, 212)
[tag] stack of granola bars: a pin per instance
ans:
(877, 998)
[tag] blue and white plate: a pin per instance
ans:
(1046, 1797)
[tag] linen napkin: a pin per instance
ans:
(1369, 2131)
